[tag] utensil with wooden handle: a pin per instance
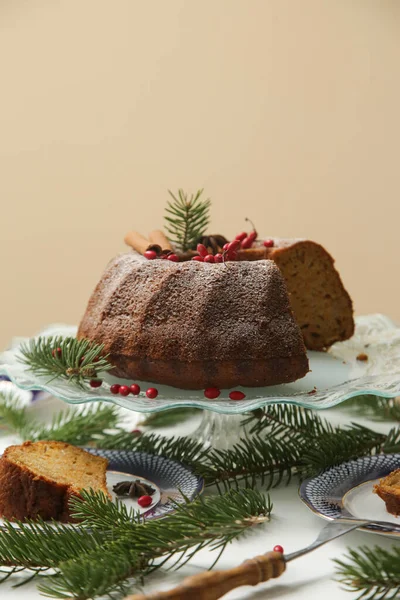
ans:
(212, 585)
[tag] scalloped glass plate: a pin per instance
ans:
(335, 376)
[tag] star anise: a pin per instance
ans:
(214, 242)
(133, 489)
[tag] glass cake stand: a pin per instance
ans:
(335, 376)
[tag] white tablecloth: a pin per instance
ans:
(292, 525)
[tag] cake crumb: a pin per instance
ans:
(362, 357)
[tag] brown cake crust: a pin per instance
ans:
(24, 495)
(389, 490)
(194, 325)
(322, 307)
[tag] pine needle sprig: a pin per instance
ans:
(373, 572)
(68, 358)
(75, 427)
(91, 561)
(187, 218)
(166, 418)
(286, 419)
(375, 408)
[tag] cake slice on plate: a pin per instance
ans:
(389, 490)
(37, 479)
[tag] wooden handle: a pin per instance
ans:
(211, 585)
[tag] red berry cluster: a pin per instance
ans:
(204, 256)
(247, 240)
(166, 255)
(212, 392)
(134, 389)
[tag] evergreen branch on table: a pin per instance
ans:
(375, 408)
(166, 418)
(286, 419)
(109, 547)
(70, 425)
(68, 358)
(373, 572)
(187, 218)
(13, 416)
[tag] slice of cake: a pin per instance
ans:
(37, 479)
(322, 307)
(389, 490)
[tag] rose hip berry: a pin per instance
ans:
(173, 257)
(124, 390)
(95, 383)
(209, 258)
(198, 258)
(212, 392)
(202, 250)
(241, 236)
(218, 258)
(135, 389)
(237, 395)
(269, 243)
(150, 254)
(145, 501)
(279, 549)
(152, 393)
(114, 389)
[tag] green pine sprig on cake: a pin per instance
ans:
(374, 573)
(187, 218)
(77, 361)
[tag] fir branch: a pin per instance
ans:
(373, 572)
(13, 416)
(286, 419)
(374, 407)
(187, 218)
(79, 428)
(67, 358)
(108, 548)
(166, 418)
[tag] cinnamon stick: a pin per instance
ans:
(137, 241)
(158, 237)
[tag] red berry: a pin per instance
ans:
(136, 432)
(209, 258)
(212, 392)
(56, 352)
(124, 390)
(279, 549)
(198, 258)
(237, 395)
(232, 248)
(218, 258)
(150, 254)
(152, 393)
(269, 243)
(114, 389)
(135, 389)
(253, 234)
(144, 501)
(247, 243)
(95, 383)
(202, 250)
(241, 236)
(225, 247)
(173, 257)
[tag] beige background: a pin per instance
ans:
(286, 111)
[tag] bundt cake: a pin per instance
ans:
(194, 325)
(322, 307)
(389, 490)
(37, 479)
